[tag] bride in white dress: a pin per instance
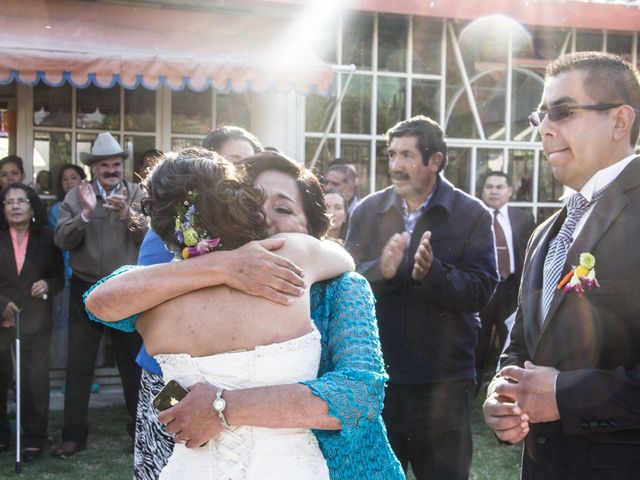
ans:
(227, 338)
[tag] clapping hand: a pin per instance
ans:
(88, 198)
(423, 258)
(392, 254)
(117, 202)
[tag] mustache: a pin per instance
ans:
(111, 175)
(398, 176)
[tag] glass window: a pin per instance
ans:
(357, 41)
(382, 166)
(425, 98)
(527, 89)
(83, 144)
(427, 45)
(233, 109)
(392, 98)
(356, 106)
(542, 46)
(52, 106)
(549, 189)
(392, 42)
(140, 110)
(588, 41)
(461, 123)
(358, 154)
(620, 44)
(488, 160)
(326, 155)
(191, 111)
(521, 174)
(98, 108)
(318, 111)
(50, 151)
(458, 168)
(181, 143)
(490, 93)
(137, 145)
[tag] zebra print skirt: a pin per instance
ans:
(153, 446)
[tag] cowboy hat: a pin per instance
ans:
(104, 146)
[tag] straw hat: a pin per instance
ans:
(104, 146)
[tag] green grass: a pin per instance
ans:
(491, 461)
(108, 455)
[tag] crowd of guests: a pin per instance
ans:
(445, 269)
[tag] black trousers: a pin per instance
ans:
(34, 388)
(84, 340)
(429, 427)
(502, 304)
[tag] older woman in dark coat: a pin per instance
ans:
(31, 271)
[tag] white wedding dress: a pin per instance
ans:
(249, 453)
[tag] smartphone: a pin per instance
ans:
(169, 396)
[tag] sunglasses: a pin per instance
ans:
(560, 112)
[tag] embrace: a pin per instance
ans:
(280, 371)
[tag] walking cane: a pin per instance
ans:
(18, 426)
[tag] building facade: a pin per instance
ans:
(476, 69)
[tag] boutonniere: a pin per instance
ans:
(582, 277)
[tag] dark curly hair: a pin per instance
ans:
(227, 206)
(308, 184)
(38, 208)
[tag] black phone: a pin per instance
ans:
(169, 396)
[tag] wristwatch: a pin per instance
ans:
(219, 404)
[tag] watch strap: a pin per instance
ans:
(220, 409)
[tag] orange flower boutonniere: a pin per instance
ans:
(582, 277)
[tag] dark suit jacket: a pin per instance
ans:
(43, 261)
(522, 225)
(428, 329)
(593, 339)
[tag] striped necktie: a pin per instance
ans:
(558, 248)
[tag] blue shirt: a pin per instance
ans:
(152, 252)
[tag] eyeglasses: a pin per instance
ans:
(16, 201)
(560, 112)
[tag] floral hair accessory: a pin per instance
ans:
(187, 231)
(582, 277)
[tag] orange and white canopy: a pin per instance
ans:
(84, 43)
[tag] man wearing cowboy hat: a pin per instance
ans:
(94, 224)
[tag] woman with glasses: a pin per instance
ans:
(31, 271)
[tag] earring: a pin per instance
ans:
(33, 219)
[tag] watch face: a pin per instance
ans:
(219, 404)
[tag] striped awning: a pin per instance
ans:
(91, 43)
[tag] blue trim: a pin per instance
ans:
(116, 79)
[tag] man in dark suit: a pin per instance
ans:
(427, 250)
(570, 382)
(512, 227)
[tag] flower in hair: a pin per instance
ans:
(582, 277)
(187, 231)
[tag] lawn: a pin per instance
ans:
(108, 455)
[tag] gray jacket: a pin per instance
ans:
(105, 243)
